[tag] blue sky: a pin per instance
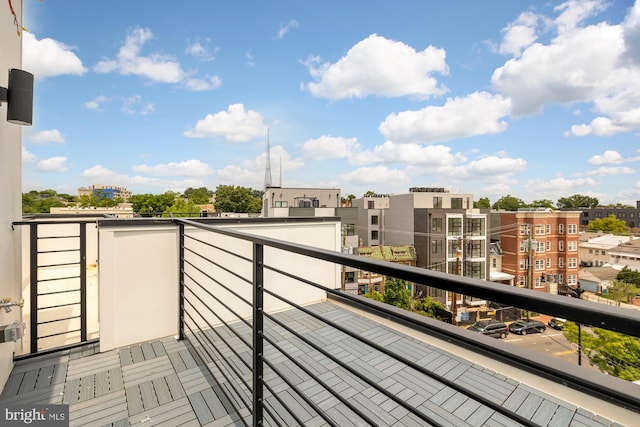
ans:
(539, 100)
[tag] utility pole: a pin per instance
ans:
(529, 261)
(454, 296)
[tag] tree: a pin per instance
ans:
(621, 291)
(428, 307)
(614, 353)
(42, 201)
(182, 208)
(152, 204)
(230, 198)
(482, 203)
(396, 293)
(610, 224)
(629, 276)
(198, 196)
(509, 203)
(542, 203)
(369, 193)
(577, 201)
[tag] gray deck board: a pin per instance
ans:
(170, 383)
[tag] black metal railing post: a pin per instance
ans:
(33, 287)
(181, 286)
(258, 333)
(83, 281)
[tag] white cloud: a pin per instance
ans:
(559, 185)
(47, 136)
(374, 175)
(611, 171)
(491, 166)
(479, 113)
(631, 27)
(208, 83)
(431, 156)
(156, 67)
(184, 168)
(201, 50)
(330, 147)
(284, 29)
(99, 173)
(519, 35)
(48, 58)
(609, 157)
(57, 164)
(95, 104)
(235, 125)
(134, 105)
(379, 66)
(27, 156)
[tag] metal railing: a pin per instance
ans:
(205, 313)
(57, 294)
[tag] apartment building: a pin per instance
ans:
(105, 192)
(595, 248)
(630, 215)
(447, 233)
(290, 201)
(540, 247)
(626, 255)
(368, 282)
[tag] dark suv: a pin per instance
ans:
(491, 328)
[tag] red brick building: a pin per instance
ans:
(540, 247)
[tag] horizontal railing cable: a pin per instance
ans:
(451, 384)
(59, 278)
(211, 245)
(58, 320)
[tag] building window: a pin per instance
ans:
(437, 267)
(436, 225)
(540, 247)
(572, 246)
(453, 247)
(560, 278)
(622, 214)
(281, 204)
(437, 202)
(475, 226)
(631, 214)
(548, 262)
(573, 229)
(523, 246)
(454, 225)
(572, 279)
(436, 246)
(539, 230)
(349, 229)
(522, 264)
(539, 264)
(456, 203)
(603, 252)
(538, 283)
(370, 204)
(474, 269)
(560, 228)
(374, 219)
(494, 263)
(349, 276)
(598, 215)
(572, 262)
(548, 228)
(549, 245)
(590, 251)
(560, 262)
(476, 248)
(374, 234)
(561, 245)
(523, 230)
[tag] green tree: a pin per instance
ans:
(42, 201)
(621, 291)
(396, 293)
(542, 203)
(509, 203)
(428, 307)
(482, 203)
(369, 193)
(198, 196)
(230, 198)
(629, 276)
(610, 224)
(182, 208)
(614, 353)
(577, 201)
(152, 204)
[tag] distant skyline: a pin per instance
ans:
(539, 100)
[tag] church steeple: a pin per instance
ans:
(267, 173)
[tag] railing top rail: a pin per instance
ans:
(585, 312)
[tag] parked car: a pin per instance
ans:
(524, 327)
(557, 323)
(570, 291)
(490, 328)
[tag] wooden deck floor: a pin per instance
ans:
(166, 382)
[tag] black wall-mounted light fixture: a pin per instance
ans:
(19, 97)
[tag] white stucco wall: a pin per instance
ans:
(138, 275)
(11, 188)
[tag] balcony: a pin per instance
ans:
(242, 322)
